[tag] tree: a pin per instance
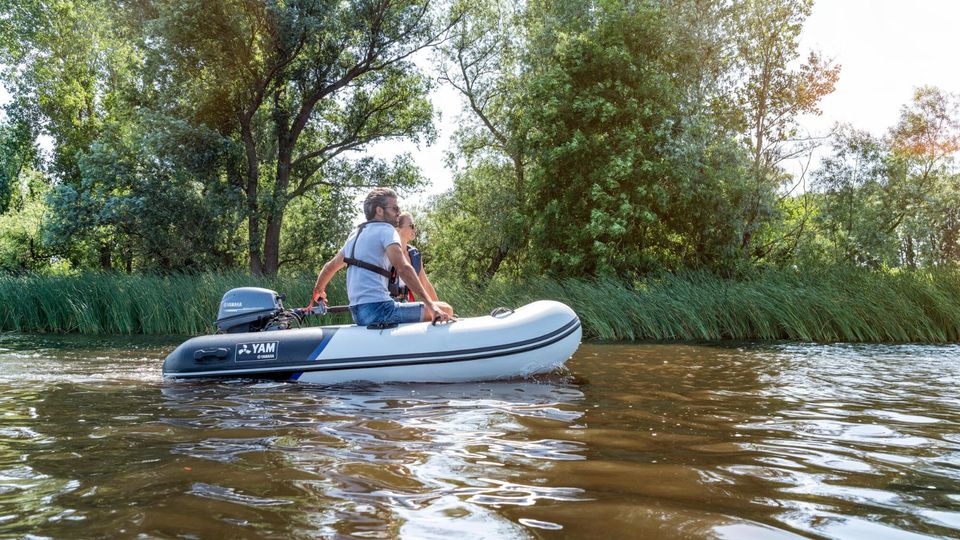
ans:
(855, 212)
(297, 85)
(68, 70)
(17, 154)
(476, 229)
(21, 245)
(923, 147)
(605, 103)
(709, 188)
(610, 127)
(894, 200)
(154, 186)
(771, 96)
(289, 89)
(482, 61)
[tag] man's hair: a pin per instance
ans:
(377, 197)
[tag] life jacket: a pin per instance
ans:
(391, 274)
(398, 293)
(403, 293)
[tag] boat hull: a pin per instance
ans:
(536, 338)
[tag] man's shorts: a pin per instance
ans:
(389, 312)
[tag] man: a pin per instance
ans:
(369, 253)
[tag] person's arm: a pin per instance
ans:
(427, 286)
(409, 276)
(326, 274)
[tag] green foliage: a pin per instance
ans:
(21, 245)
(105, 303)
(477, 227)
(17, 153)
(925, 179)
(163, 214)
(856, 215)
(770, 93)
(605, 103)
(620, 137)
(483, 60)
(828, 304)
(610, 138)
(295, 86)
(315, 228)
(183, 130)
(66, 67)
(893, 201)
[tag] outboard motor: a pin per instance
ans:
(251, 309)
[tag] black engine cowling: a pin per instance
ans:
(248, 309)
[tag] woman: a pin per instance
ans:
(408, 230)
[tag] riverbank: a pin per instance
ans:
(829, 305)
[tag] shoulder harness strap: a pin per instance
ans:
(351, 260)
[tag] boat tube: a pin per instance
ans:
(257, 339)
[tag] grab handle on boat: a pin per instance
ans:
(501, 312)
(216, 353)
(382, 325)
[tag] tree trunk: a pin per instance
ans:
(106, 257)
(495, 262)
(271, 245)
(271, 242)
(910, 255)
(285, 144)
(759, 169)
(252, 188)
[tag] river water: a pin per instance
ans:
(634, 441)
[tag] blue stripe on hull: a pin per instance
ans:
(327, 336)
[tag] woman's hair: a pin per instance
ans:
(404, 216)
(377, 198)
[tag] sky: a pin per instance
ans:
(885, 48)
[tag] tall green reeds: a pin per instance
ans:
(133, 304)
(827, 305)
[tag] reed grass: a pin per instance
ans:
(824, 305)
(98, 303)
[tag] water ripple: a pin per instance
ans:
(230, 495)
(692, 441)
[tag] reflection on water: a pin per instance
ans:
(673, 441)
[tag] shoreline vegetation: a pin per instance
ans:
(824, 305)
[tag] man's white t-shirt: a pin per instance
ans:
(365, 286)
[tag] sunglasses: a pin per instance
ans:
(395, 208)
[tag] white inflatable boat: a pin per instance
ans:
(536, 338)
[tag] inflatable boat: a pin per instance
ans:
(259, 339)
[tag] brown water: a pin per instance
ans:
(637, 441)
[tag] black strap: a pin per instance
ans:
(364, 264)
(382, 325)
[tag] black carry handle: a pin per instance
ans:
(213, 353)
